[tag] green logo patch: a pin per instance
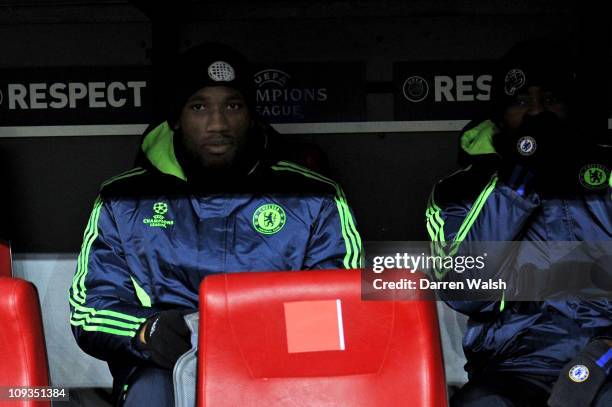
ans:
(159, 219)
(160, 208)
(594, 176)
(269, 219)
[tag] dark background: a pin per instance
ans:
(49, 183)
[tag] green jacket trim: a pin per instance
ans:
(479, 140)
(158, 147)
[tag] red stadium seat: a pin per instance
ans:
(275, 339)
(5, 259)
(22, 346)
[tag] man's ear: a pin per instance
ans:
(177, 125)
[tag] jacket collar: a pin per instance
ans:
(158, 147)
(479, 140)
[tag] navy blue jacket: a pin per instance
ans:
(153, 236)
(474, 205)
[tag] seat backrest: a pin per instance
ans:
(22, 345)
(307, 339)
(5, 259)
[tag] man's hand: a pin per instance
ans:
(166, 337)
(582, 377)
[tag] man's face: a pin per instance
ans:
(531, 102)
(215, 122)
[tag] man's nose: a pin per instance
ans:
(218, 121)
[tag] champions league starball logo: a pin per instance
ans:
(160, 208)
(514, 80)
(415, 89)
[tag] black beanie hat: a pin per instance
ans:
(209, 64)
(536, 62)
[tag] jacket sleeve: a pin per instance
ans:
(107, 306)
(485, 221)
(334, 241)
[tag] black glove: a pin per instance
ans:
(539, 155)
(582, 377)
(166, 337)
(518, 176)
